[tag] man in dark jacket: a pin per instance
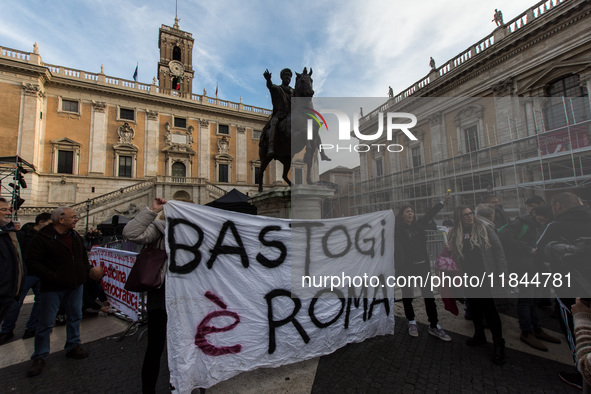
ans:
(25, 235)
(12, 270)
(57, 255)
(519, 243)
(572, 220)
(501, 217)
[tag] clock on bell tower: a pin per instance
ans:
(175, 68)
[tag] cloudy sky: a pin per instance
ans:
(356, 48)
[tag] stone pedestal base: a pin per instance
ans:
(297, 202)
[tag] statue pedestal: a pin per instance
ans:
(297, 202)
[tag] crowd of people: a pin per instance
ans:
(50, 258)
(484, 239)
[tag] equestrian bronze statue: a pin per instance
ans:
(285, 134)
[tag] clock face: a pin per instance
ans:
(176, 68)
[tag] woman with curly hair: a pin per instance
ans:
(478, 251)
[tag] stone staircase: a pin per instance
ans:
(126, 201)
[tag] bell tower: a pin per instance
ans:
(175, 68)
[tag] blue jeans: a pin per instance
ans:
(50, 303)
(31, 282)
(527, 312)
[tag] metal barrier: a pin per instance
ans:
(435, 242)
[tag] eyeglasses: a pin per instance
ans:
(467, 214)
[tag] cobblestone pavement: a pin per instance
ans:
(389, 364)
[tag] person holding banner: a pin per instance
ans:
(146, 229)
(411, 258)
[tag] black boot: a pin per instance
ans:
(479, 337)
(499, 356)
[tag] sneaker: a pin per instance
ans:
(413, 330)
(529, 338)
(439, 333)
(77, 353)
(541, 334)
(5, 337)
(36, 368)
(573, 379)
(29, 334)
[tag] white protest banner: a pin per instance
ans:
(231, 297)
(117, 264)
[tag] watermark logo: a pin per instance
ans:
(402, 121)
(315, 115)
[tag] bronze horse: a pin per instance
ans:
(292, 134)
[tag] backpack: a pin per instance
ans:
(523, 231)
(574, 260)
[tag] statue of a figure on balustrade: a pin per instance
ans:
(281, 98)
(498, 19)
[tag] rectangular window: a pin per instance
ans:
(299, 176)
(65, 162)
(224, 129)
(379, 167)
(223, 173)
(125, 166)
(471, 136)
(257, 172)
(70, 106)
(416, 157)
(256, 134)
(126, 114)
(181, 123)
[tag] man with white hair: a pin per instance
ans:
(57, 255)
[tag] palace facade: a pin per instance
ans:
(510, 115)
(105, 145)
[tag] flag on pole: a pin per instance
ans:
(135, 73)
(216, 90)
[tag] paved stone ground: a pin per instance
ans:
(401, 364)
(390, 364)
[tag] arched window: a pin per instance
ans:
(568, 103)
(176, 53)
(179, 170)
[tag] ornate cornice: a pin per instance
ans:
(99, 106)
(503, 88)
(32, 90)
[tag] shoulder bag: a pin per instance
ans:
(148, 271)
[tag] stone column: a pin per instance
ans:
(529, 116)
(151, 144)
(507, 117)
(28, 133)
(438, 135)
(241, 157)
(98, 139)
(585, 81)
(204, 155)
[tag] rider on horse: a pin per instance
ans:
(281, 98)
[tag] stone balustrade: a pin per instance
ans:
(537, 11)
(152, 89)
